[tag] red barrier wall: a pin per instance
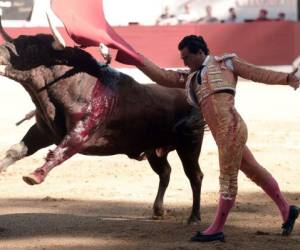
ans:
(263, 43)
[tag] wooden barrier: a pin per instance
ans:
(262, 43)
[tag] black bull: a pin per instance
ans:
(136, 119)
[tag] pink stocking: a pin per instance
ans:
(265, 180)
(225, 204)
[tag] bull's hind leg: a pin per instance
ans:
(34, 140)
(188, 153)
(163, 169)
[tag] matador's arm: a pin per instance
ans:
(254, 73)
(167, 78)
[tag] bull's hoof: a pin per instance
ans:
(159, 212)
(157, 217)
(194, 220)
(2, 169)
(33, 179)
(5, 163)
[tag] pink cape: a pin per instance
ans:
(85, 23)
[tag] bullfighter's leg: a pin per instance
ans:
(189, 155)
(260, 176)
(101, 106)
(230, 133)
(34, 140)
(160, 165)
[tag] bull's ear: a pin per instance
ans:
(59, 42)
(3, 33)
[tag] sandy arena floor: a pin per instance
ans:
(106, 202)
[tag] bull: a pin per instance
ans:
(87, 107)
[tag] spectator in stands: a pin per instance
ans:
(209, 18)
(281, 16)
(232, 16)
(187, 16)
(166, 18)
(263, 15)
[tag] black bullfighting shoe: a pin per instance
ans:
(207, 238)
(287, 227)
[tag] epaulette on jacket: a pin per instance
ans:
(225, 56)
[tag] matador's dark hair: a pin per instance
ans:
(194, 44)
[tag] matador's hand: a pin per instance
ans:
(294, 79)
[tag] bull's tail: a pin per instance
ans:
(192, 126)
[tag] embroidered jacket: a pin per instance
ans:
(220, 73)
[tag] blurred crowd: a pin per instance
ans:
(190, 16)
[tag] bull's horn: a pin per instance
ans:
(296, 63)
(59, 42)
(104, 50)
(3, 33)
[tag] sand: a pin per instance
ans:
(106, 202)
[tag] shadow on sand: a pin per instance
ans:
(53, 223)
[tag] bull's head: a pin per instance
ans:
(26, 52)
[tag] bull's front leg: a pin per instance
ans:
(101, 106)
(70, 145)
(188, 152)
(16, 152)
(161, 166)
(34, 140)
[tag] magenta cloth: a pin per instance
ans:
(86, 25)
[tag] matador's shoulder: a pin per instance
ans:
(225, 57)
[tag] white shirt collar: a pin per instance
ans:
(205, 62)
